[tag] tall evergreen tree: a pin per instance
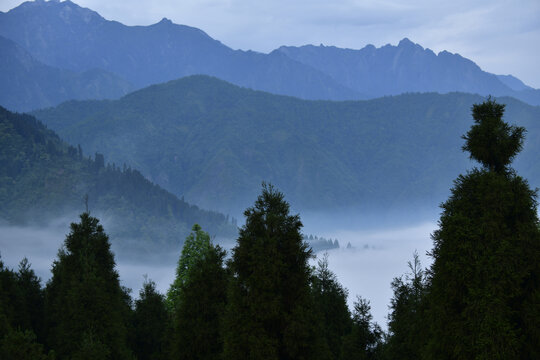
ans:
(365, 339)
(151, 324)
(331, 302)
(199, 315)
(32, 317)
(21, 314)
(85, 306)
(484, 292)
(270, 310)
(196, 245)
(405, 322)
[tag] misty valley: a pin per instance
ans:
(164, 196)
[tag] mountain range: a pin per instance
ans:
(214, 143)
(29, 84)
(66, 36)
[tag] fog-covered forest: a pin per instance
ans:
(337, 180)
(265, 300)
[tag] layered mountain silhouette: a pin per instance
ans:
(28, 84)
(64, 35)
(214, 143)
(67, 36)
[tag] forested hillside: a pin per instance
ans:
(214, 143)
(43, 178)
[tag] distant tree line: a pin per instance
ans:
(319, 244)
(478, 300)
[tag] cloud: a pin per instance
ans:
(379, 255)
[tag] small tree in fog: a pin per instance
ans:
(365, 339)
(406, 334)
(195, 246)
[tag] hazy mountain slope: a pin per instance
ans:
(27, 84)
(407, 67)
(214, 143)
(513, 83)
(42, 179)
(65, 35)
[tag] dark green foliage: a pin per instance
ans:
(485, 278)
(331, 301)
(10, 299)
(190, 136)
(198, 319)
(22, 345)
(270, 314)
(32, 304)
(195, 247)
(365, 339)
(491, 141)
(41, 177)
(151, 324)
(86, 308)
(21, 314)
(406, 326)
(21, 299)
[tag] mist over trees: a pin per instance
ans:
(43, 178)
(478, 300)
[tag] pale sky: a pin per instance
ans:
(501, 36)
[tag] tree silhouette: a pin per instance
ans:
(86, 311)
(484, 281)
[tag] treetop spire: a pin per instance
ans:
(491, 141)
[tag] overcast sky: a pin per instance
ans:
(501, 36)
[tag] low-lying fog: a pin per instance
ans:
(379, 253)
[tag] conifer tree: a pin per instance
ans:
(199, 315)
(86, 308)
(195, 246)
(331, 302)
(21, 314)
(270, 310)
(365, 339)
(32, 317)
(484, 280)
(151, 324)
(406, 333)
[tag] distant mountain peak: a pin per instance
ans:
(165, 21)
(67, 10)
(405, 41)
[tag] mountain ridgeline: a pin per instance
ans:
(29, 84)
(66, 36)
(407, 67)
(214, 143)
(42, 178)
